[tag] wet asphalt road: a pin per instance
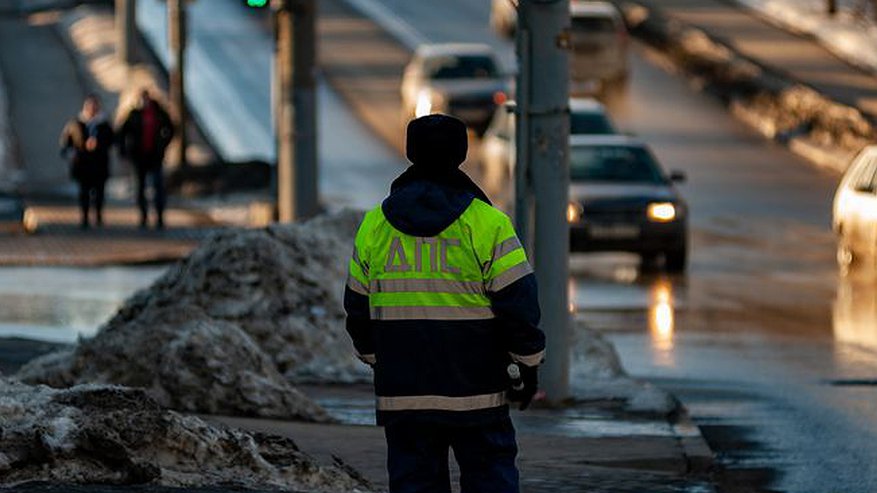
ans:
(753, 336)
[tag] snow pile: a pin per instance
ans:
(809, 123)
(229, 329)
(116, 435)
(851, 34)
(596, 374)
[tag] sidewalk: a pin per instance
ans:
(356, 174)
(45, 91)
(591, 447)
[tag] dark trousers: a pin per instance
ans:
(156, 180)
(417, 457)
(91, 191)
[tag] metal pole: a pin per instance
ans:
(547, 117)
(126, 31)
(177, 41)
(295, 66)
(283, 63)
(305, 101)
(523, 191)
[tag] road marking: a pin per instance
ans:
(390, 22)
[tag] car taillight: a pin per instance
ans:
(499, 98)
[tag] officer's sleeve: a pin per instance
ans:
(356, 301)
(511, 287)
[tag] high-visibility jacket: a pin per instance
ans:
(441, 315)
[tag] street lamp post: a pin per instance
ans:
(126, 31)
(176, 10)
(543, 151)
(296, 115)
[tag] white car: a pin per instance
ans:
(587, 117)
(459, 79)
(599, 41)
(855, 211)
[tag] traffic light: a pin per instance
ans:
(257, 4)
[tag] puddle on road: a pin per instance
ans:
(60, 304)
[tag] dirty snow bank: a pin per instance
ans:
(809, 123)
(851, 34)
(596, 374)
(229, 329)
(117, 435)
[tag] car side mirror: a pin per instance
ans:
(677, 177)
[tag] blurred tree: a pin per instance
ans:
(831, 7)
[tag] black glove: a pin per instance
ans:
(528, 386)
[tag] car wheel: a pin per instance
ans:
(675, 260)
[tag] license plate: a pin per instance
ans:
(615, 232)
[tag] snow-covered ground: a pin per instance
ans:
(851, 34)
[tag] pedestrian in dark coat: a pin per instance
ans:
(143, 139)
(85, 143)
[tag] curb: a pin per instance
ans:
(823, 131)
(698, 455)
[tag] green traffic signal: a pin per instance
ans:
(257, 3)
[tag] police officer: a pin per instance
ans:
(440, 300)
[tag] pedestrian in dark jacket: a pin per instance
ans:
(143, 139)
(442, 303)
(85, 143)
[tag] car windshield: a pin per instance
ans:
(461, 67)
(606, 163)
(590, 123)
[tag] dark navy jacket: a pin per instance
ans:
(437, 366)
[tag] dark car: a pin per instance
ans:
(622, 200)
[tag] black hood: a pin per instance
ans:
(425, 204)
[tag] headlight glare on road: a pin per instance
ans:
(661, 212)
(29, 221)
(574, 212)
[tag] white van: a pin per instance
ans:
(598, 41)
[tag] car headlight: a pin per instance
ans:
(429, 102)
(29, 221)
(574, 212)
(661, 212)
(424, 103)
